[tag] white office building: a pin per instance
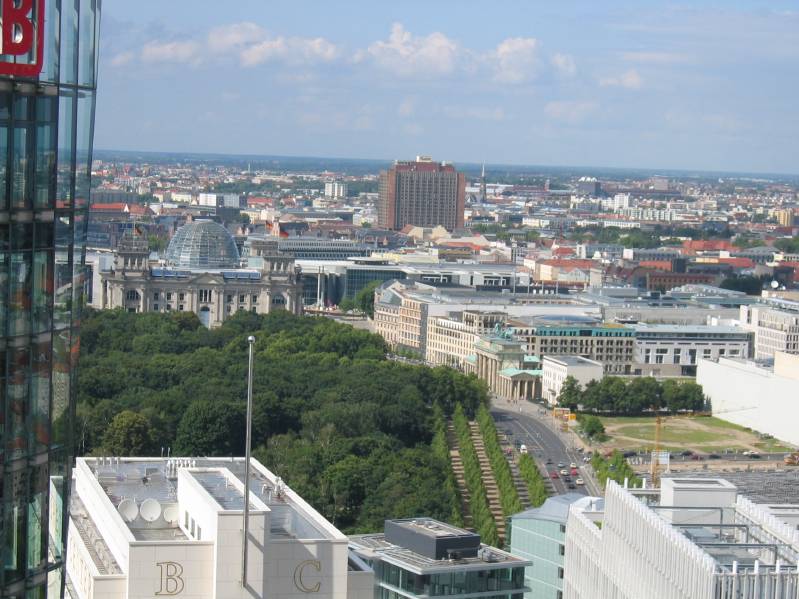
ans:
(776, 327)
(219, 200)
(145, 528)
(757, 396)
(690, 539)
(685, 345)
(335, 190)
(555, 370)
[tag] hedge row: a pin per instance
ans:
(440, 448)
(533, 479)
(508, 494)
(482, 518)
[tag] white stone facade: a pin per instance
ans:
(775, 329)
(645, 551)
(755, 396)
(190, 546)
(555, 370)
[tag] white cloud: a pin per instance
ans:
(295, 50)
(122, 59)
(249, 42)
(474, 113)
(570, 111)
(628, 80)
(187, 52)
(408, 55)
(515, 59)
(234, 37)
(407, 107)
(564, 64)
(654, 57)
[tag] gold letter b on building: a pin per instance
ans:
(171, 578)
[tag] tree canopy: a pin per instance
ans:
(633, 396)
(348, 429)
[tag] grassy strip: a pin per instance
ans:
(441, 450)
(508, 495)
(482, 518)
(533, 479)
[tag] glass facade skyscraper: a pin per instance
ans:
(46, 130)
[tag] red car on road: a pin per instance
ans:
(553, 475)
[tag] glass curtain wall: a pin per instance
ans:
(46, 131)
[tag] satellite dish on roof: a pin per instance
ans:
(150, 510)
(171, 514)
(128, 510)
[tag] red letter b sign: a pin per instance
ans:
(22, 24)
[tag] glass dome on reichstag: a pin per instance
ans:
(202, 244)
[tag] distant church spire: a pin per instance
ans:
(483, 194)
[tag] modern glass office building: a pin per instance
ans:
(48, 70)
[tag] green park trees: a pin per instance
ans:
(128, 434)
(633, 396)
(348, 429)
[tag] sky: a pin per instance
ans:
(700, 85)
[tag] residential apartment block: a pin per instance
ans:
(421, 193)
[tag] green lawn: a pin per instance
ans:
(668, 434)
(699, 433)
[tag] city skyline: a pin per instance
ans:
(668, 87)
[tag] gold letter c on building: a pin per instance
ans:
(298, 581)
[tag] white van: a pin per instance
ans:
(523, 448)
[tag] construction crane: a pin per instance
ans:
(654, 467)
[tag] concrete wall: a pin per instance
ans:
(742, 393)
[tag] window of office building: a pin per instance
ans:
(46, 125)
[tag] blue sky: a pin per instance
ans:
(699, 85)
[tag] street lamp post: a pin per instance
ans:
(251, 342)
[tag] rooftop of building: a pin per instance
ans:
(200, 244)
(688, 329)
(428, 546)
(572, 361)
(733, 531)
(556, 508)
(144, 493)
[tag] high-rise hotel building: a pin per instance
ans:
(421, 193)
(48, 68)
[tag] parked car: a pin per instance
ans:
(697, 457)
(523, 448)
(553, 475)
(572, 465)
(574, 472)
(686, 453)
(564, 472)
(561, 465)
(571, 486)
(713, 456)
(549, 460)
(578, 481)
